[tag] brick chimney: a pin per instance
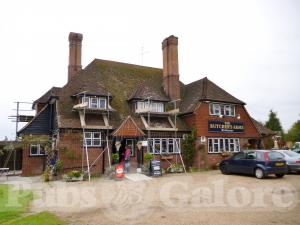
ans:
(75, 40)
(170, 67)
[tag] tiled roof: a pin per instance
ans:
(262, 129)
(125, 82)
(204, 90)
(53, 92)
(121, 80)
(146, 90)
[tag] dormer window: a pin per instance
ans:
(154, 106)
(95, 102)
(217, 109)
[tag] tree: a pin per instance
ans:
(274, 123)
(294, 132)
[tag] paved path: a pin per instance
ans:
(137, 177)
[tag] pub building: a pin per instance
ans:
(109, 105)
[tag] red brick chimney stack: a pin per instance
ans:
(170, 67)
(75, 40)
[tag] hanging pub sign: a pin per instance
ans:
(225, 127)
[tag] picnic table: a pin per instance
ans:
(4, 172)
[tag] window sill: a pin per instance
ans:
(93, 146)
(165, 154)
(37, 155)
(223, 116)
(221, 153)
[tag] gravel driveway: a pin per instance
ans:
(197, 198)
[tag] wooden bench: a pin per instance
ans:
(4, 172)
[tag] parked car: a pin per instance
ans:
(297, 150)
(292, 160)
(259, 163)
(296, 145)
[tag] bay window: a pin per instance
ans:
(219, 145)
(95, 102)
(163, 145)
(154, 106)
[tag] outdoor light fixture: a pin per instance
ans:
(238, 116)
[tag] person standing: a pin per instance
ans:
(127, 159)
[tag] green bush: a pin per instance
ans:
(115, 157)
(148, 157)
(58, 167)
(175, 168)
(189, 150)
(46, 174)
(74, 173)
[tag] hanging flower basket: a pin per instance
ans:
(226, 154)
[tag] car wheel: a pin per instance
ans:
(259, 173)
(224, 169)
(279, 175)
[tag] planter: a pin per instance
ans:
(72, 179)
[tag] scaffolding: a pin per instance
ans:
(17, 118)
(174, 128)
(81, 108)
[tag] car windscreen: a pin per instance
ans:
(291, 154)
(275, 156)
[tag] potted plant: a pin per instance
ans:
(175, 168)
(58, 167)
(74, 175)
(115, 157)
(226, 154)
(147, 158)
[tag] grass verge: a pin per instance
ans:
(13, 203)
(43, 218)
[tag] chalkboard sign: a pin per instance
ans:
(155, 168)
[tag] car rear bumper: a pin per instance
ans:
(282, 170)
(295, 168)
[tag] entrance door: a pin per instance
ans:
(130, 144)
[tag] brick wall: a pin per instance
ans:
(199, 119)
(70, 152)
(202, 116)
(32, 165)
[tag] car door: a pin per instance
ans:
(249, 162)
(236, 162)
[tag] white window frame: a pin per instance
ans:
(91, 139)
(217, 109)
(38, 147)
(154, 106)
(96, 104)
(153, 144)
(102, 100)
(228, 145)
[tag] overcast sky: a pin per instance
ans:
(249, 48)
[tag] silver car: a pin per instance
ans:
(292, 160)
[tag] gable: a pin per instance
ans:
(42, 123)
(128, 128)
(205, 90)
